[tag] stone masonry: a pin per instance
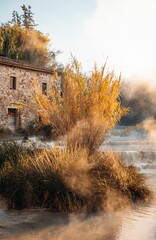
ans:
(16, 86)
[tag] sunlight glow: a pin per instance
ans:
(125, 32)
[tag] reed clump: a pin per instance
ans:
(71, 181)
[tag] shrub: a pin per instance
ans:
(71, 181)
(83, 99)
(11, 151)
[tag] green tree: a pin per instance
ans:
(16, 18)
(19, 40)
(27, 17)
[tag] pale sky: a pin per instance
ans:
(121, 31)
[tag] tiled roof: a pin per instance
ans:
(16, 63)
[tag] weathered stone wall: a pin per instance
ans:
(22, 93)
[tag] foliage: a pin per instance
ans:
(28, 45)
(27, 16)
(85, 103)
(11, 151)
(26, 19)
(16, 18)
(71, 181)
(20, 40)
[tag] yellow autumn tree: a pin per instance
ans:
(25, 44)
(85, 108)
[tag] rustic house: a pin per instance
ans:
(16, 83)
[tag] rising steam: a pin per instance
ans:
(140, 98)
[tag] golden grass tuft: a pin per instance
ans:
(84, 99)
(71, 181)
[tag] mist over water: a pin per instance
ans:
(76, 227)
(140, 222)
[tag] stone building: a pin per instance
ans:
(16, 86)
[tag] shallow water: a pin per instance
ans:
(136, 223)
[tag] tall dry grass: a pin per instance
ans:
(82, 98)
(71, 181)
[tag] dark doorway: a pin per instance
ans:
(12, 116)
